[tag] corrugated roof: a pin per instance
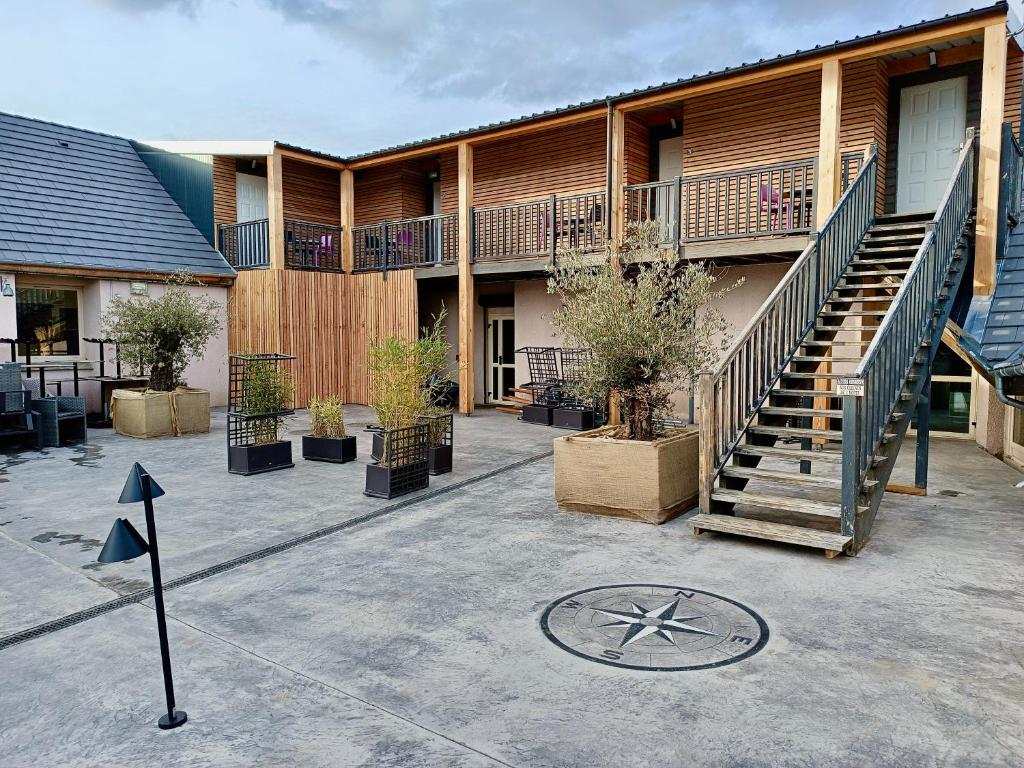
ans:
(838, 45)
(80, 199)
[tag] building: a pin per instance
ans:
(83, 218)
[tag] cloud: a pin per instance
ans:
(185, 7)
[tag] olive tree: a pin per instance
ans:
(648, 318)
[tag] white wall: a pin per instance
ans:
(534, 307)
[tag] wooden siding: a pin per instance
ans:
(377, 308)
(310, 192)
(449, 182)
(296, 313)
(636, 152)
(1014, 74)
(390, 192)
(561, 160)
(225, 209)
(865, 113)
(760, 124)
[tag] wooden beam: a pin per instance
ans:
(993, 89)
(616, 205)
(947, 57)
(467, 301)
(347, 218)
(826, 188)
(275, 210)
(347, 204)
(433, 148)
(308, 158)
(106, 274)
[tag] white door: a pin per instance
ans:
(670, 158)
(933, 118)
(250, 197)
(501, 354)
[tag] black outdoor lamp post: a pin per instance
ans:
(126, 543)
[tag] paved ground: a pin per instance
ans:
(413, 638)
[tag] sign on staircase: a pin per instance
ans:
(852, 387)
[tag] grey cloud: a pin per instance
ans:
(186, 7)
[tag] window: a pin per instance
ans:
(48, 320)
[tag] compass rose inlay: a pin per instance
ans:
(654, 627)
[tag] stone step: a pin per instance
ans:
(832, 543)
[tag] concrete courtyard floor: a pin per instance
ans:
(407, 634)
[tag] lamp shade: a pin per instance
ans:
(123, 543)
(132, 490)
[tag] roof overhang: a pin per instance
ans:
(248, 148)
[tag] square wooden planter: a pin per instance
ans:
(144, 412)
(647, 481)
(337, 450)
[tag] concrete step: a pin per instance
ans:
(832, 543)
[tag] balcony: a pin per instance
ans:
(766, 201)
(539, 228)
(419, 242)
(307, 245)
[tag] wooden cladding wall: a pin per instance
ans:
(636, 162)
(225, 209)
(449, 163)
(1014, 74)
(390, 192)
(377, 308)
(296, 313)
(310, 192)
(865, 113)
(759, 124)
(557, 161)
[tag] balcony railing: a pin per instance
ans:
(754, 202)
(539, 227)
(245, 245)
(406, 243)
(310, 246)
(307, 245)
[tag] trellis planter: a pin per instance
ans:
(256, 459)
(578, 419)
(336, 450)
(639, 480)
(403, 467)
(440, 444)
(537, 414)
(249, 450)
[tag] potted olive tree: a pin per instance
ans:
(649, 321)
(164, 333)
(327, 440)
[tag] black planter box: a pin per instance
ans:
(377, 446)
(254, 459)
(579, 419)
(337, 450)
(537, 414)
(388, 482)
(439, 459)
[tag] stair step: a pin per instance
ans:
(834, 435)
(860, 299)
(778, 503)
(508, 409)
(814, 375)
(832, 543)
(886, 260)
(782, 392)
(825, 359)
(869, 286)
(778, 410)
(909, 248)
(797, 454)
(875, 273)
(854, 313)
(834, 483)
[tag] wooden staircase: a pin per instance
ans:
(802, 421)
(782, 481)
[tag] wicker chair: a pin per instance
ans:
(61, 417)
(17, 416)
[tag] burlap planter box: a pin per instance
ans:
(648, 481)
(142, 413)
(148, 413)
(191, 410)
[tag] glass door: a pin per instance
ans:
(952, 398)
(501, 355)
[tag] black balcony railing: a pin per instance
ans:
(245, 245)
(753, 202)
(539, 227)
(419, 242)
(310, 246)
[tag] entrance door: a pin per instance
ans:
(1014, 436)
(933, 118)
(501, 354)
(250, 197)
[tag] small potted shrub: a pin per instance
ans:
(254, 424)
(327, 441)
(438, 421)
(650, 327)
(403, 466)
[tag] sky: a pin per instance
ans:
(345, 77)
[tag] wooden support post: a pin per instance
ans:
(275, 210)
(828, 184)
(826, 190)
(616, 205)
(347, 204)
(924, 410)
(347, 219)
(706, 447)
(467, 300)
(993, 88)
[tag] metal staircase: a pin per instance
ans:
(802, 420)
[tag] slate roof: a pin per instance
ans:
(1004, 329)
(84, 200)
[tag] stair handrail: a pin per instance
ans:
(732, 392)
(883, 371)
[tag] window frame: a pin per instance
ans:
(79, 294)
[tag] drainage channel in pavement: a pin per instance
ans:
(190, 578)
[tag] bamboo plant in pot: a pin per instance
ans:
(164, 333)
(327, 440)
(255, 421)
(651, 324)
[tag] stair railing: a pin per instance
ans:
(732, 393)
(888, 362)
